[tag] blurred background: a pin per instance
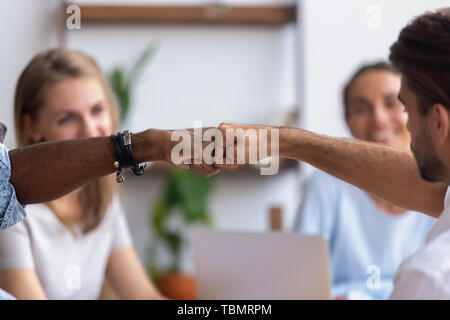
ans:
(277, 62)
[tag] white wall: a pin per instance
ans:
(241, 74)
(336, 39)
(26, 27)
(210, 74)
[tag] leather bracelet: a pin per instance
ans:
(124, 155)
(126, 142)
(120, 162)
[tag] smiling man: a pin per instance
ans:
(416, 180)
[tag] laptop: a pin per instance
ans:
(260, 266)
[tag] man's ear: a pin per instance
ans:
(29, 126)
(439, 117)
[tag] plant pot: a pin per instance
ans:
(177, 286)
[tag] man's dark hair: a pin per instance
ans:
(422, 55)
(378, 66)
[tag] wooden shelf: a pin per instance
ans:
(200, 14)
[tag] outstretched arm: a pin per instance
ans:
(386, 172)
(46, 171)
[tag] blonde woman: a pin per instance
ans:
(66, 248)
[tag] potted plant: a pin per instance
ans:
(182, 204)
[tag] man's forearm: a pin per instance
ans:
(46, 171)
(386, 172)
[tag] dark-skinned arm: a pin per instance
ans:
(46, 171)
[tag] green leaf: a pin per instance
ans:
(142, 61)
(188, 192)
(159, 216)
(123, 81)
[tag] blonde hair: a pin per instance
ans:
(44, 71)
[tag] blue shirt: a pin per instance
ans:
(11, 211)
(366, 244)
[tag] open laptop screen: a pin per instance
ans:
(250, 265)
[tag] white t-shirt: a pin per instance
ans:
(68, 266)
(426, 274)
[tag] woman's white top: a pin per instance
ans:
(70, 265)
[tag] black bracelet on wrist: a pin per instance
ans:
(119, 158)
(126, 142)
(124, 155)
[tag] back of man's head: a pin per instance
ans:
(422, 55)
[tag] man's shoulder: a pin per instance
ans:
(4, 162)
(433, 259)
(425, 274)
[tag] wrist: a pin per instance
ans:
(287, 140)
(150, 145)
